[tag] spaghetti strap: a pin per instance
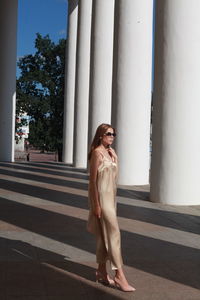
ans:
(101, 153)
(109, 159)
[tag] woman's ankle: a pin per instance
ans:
(119, 273)
(102, 268)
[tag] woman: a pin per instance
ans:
(102, 219)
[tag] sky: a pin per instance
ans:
(43, 16)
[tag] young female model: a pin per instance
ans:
(102, 219)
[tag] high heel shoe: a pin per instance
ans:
(123, 287)
(104, 279)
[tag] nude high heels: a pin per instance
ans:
(123, 287)
(104, 279)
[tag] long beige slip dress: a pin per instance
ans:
(106, 228)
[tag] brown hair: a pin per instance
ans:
(101, 129)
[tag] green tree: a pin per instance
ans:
(40, 93)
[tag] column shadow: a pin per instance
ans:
(162, 258)
(44, 171)
(29, 270)
(179, 221)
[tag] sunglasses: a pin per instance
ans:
(110, 134)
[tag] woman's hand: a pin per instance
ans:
(112, 153)
(97, 211)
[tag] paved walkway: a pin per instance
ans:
(46, 253)
(36, 155)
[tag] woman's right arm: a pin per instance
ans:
(94, 164)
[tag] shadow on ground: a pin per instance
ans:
(27, 270)
(169, 260)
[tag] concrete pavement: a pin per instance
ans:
(47, 254)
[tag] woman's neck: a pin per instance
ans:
(104, 147)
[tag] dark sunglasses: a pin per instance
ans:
(110, 134)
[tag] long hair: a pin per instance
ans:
(101, 129)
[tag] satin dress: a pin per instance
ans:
(106, 228)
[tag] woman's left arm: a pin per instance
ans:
(113, 154)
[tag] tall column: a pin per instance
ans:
(132, 88)
(8, 38)
(70, 71)
(82, 84)
(176, 106)
(101, 64)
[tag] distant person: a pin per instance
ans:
(28, 157)
(102, 219)
(26, 145)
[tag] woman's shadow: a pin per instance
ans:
(27, 270)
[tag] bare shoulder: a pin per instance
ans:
(96, 154)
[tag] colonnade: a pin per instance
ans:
(112, 82)
(113, 85)
(108, 80)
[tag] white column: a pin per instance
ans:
(101, 64)
(82, 84)
(8, 38)
(176, 112)
(70, 71)
(132, 89)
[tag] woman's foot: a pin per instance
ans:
(104, 278)
(123, 285)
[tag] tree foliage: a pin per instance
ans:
(40, 92)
